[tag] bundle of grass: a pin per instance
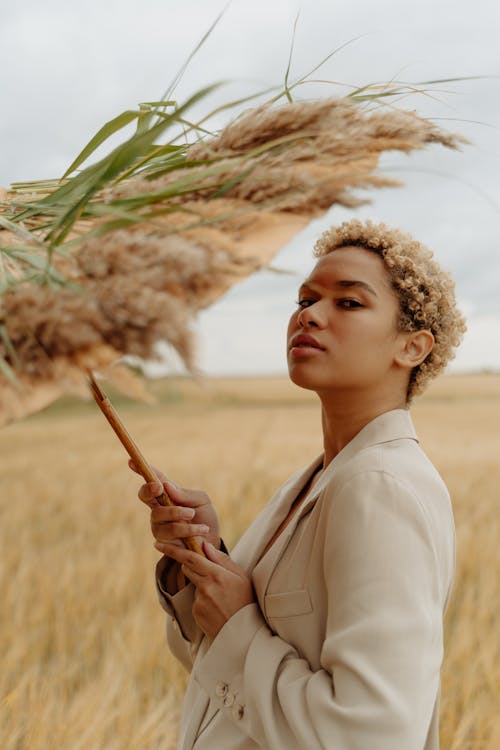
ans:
(116, 257)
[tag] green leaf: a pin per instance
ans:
(19, 231)
(79, 190)
(287, 88)
(287, 72)
(145, 119)
(148, 111)
(227, 186)
(7, 371)
(4, 336)
(107, 130)
(39, 263)
(200, 44)
(160, 103)
(3, 274)
(151, 157)
(40, 186)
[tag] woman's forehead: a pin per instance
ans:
(351, 263)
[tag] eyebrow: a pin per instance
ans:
(343, 284)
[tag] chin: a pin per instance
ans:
(302, 379)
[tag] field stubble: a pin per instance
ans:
(84, 663)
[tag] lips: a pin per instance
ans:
(305, 341)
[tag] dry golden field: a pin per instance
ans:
(84, 664)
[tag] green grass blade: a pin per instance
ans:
(454, 80)
(149, 110)
(151, 157)
(145, 119)
(78, 189)
(180, 73)
(227, 186)
(36, 186)
(38, 263)
(7, 371)
(287, 72)
(4, 337)
(110, 210)
(286, 91)
(3, 274)
(237, 103)
(136, 147)
(19, 231)
(74, 188)
(124, 156)
(160, 103)
(107, 130)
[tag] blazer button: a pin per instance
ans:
(221, 689)
(238, 711)
(228, 700)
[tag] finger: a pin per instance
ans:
(183, 496)
(149, 492)
(220, 558)
(192, 575)
(161, 476)
(166, 533)
(162, 514)
(195, 562)
(178, 553)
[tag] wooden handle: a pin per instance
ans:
(133, 451)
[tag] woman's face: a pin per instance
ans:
(343, 335)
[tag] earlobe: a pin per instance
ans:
(417, 345)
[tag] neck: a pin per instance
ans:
(343, 417)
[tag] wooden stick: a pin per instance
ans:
(133, 451)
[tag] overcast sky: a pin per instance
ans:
(67, 67)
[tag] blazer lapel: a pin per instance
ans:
(265, 565)
(392, 425)
(247, 551)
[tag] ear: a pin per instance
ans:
(415, 346)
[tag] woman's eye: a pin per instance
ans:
(306, 302)
(349, 304)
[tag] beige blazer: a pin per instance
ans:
(344, 647)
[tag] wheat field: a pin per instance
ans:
(84, 662)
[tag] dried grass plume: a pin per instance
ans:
(230, 204)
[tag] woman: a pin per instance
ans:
(323, 627)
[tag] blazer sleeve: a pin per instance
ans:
(183, 634)
(382, 649)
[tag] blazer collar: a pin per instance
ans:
(392, 425)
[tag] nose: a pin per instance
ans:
(312, 316)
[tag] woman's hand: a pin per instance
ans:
(222, 586)
(192, 515)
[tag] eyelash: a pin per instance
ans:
(307, 302)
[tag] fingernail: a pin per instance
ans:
(186, 512)
(156, 488)
(159, 546)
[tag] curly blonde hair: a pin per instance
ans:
(426, 292)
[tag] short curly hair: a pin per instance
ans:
(426, 292)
